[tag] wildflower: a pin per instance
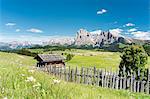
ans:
(30, 79)
(22, 75)
(3, 90)
(5, 98)
(56, 81)
(37, 85)
(31, 71)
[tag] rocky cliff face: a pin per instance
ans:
(99, 38)
(84, 37)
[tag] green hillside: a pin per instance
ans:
(19, 79)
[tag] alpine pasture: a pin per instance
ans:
(20, 79)
(90, 58)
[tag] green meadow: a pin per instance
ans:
(19, 79)
(91, 58)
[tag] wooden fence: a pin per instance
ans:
(101, 77)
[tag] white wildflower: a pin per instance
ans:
(37, 85)
(30, 79)
(31, 71)
(5, 98)
(3, 90)
(22, 75)
(56, 81)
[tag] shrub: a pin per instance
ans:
(134, 57)
(69, 57)
(147, 48)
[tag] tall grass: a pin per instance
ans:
(20, 80)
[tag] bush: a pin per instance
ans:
(26, 52)
(147, 48)
(69, 57)
(134, 57)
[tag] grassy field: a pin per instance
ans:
(20, 80)
(91, 58)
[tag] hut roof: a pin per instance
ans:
(50, 57)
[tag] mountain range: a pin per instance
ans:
(83, 37)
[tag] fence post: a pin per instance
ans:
(120, 85)
(87, 76)
(94, 76)
(131, 83)
(134, 90)
(142, 86)
(97, 77)
(102, 78)
(148, 80)
(113, 81)
(90, 76)
(138, 86)
(65, 74)
(78, 75)
(105, 78)
(81, 78)
(76, 71)
(117, 82)
(71, 75)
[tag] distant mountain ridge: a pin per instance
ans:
(96, 38)
(15, 45)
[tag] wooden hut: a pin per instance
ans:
(50, 59)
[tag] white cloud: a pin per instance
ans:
(132, 30)
(96, 32)
(116, 32)
(10, 24)
(34, 30)
(141, 35)
(102, 11)
(129, 25)
(18, 30)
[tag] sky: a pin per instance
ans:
(33, 20)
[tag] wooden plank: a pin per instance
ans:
(98, 77)
(81, 78)
(131, 83)
(105, 79)
(71, 75)
(138, 86)
(117, 82)
(114, 80)
(148, 81)
(111, 80)
(128, 83)
(65, 78)
(84, 75)
(87, 77)
(78, 76)
(90, 77)
(142, 86)
(102, 78)
(76, 71)
(94, 76)
(124, 82)
(68, 75)
(120, 85)
(134, 86)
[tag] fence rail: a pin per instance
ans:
(101, 77)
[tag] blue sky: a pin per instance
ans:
(35, 19)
